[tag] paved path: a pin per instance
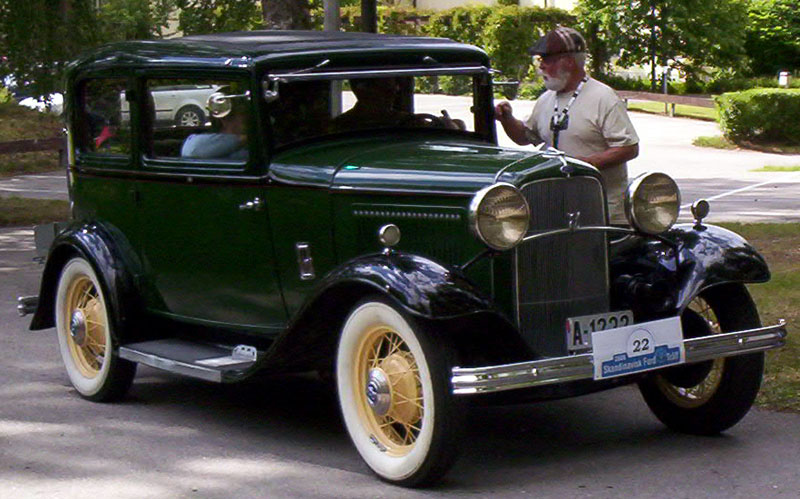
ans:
(283, 437)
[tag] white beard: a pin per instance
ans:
(555, 83)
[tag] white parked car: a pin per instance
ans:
(178, 105)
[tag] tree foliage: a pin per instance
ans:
(686, 34)
(773, 36)
(38, 36)
(210, 16)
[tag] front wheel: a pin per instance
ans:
(395, 395)
(85, 336)
(709, 397)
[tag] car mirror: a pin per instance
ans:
(220, 104)
(271, 90)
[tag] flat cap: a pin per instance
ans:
(561, 40)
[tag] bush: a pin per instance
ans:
(765, 116)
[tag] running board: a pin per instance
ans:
(209, 362)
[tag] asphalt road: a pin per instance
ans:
(282, 437)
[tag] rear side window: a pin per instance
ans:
(104, 120)
(181, 125)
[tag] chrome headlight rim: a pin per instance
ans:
(631, 194)
(474, 209)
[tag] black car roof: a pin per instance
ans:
(284, 49)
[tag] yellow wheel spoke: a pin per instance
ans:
(376, 352)
(415, 400)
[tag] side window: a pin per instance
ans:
(302, 111)
(104, 122)
(181, 125)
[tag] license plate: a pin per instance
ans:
(580, 329)
(637, 348)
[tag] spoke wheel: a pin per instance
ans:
(391, 395)
(395, 395)
(85, 335)
(709, 397)
(87, 338)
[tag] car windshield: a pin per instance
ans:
(313, 108)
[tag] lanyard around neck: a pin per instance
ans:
(559, 117)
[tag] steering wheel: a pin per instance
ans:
(423, 120)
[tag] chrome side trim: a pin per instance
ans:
(470, 380)
(27, 305)
(170, 365)
(375, 73)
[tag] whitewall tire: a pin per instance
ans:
(395, 396)
(85, 335)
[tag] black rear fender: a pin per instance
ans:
(112, 259)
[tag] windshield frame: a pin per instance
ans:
(482, 94)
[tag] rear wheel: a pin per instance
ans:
(395, 395)
(706, 398)
(85, 336)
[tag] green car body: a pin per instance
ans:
(276, 252)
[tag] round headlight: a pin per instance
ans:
(652, 202)
(499, 216)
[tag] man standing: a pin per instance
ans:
(578, 115)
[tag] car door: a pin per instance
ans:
(204, 223)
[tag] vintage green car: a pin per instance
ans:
(340, 214)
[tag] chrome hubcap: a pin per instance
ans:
(77, 328)
(379, 392)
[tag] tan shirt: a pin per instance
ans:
(597, 120)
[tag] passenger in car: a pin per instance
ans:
(229, 142)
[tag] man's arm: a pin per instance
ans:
(515, 129)
(611, 156)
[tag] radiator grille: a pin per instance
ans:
(565, 275)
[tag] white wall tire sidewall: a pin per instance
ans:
(392, 468)
(85, 386)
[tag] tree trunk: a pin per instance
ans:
(286, 14)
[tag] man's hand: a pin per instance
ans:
(515, 129)
(503, 111)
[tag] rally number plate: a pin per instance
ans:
(580, 329)
(637, 348)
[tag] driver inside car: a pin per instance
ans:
(377, 107)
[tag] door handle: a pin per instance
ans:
(256, 204)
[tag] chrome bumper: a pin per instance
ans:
(27, 305)
(467, 380)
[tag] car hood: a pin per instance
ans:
(450, 167)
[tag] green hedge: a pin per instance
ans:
(764, 115)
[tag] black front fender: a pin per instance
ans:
(421, 286)
(434, 294)
(107, 250)
(707, 256)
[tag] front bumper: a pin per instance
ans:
(468, 380)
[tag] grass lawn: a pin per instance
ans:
(720, 142)
(16, 212)
(770, 168)
(20, 123)
(779, 299)
(700, 113)
(717, 142)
